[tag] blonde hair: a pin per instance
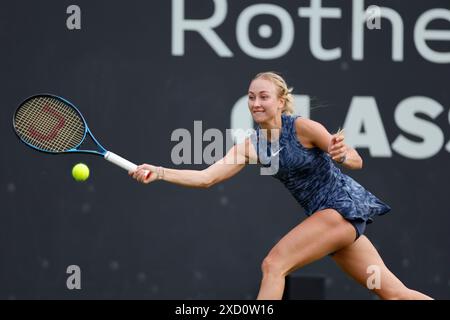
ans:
(284, 92)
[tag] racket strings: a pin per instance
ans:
(49, 124)
(71, 136)
(73, 131)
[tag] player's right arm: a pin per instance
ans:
(233, 162)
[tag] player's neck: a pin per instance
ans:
(271, 129)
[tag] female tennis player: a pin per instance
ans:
(338, 208)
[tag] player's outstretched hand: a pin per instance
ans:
(145, 173)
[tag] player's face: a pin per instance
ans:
(263, 101)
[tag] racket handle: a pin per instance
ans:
(123, 163)
(119, 161)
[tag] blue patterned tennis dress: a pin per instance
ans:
(314, 180)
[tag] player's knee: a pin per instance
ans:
(273, 265)
(270, 266)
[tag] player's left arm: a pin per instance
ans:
(317, 135)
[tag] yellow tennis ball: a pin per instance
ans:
(80, 172)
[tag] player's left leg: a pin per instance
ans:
(355, 260)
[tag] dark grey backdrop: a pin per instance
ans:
(166, 242)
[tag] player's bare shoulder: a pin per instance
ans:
(305, 129)
(312, 133)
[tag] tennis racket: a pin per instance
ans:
(52, 124)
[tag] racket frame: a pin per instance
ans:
(108, 155)
(101, 150)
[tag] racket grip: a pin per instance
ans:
(119, 161)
